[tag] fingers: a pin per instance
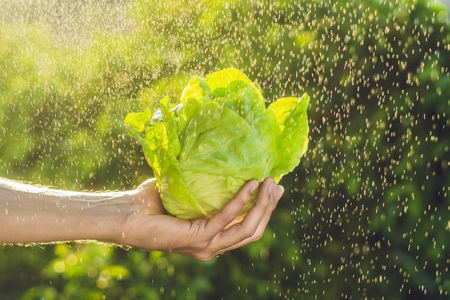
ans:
(261, 226)
(222, 242)
(265, 220)
(263, 201)
(236, 220)
(224, 217)
(217, 240)
(252, 227)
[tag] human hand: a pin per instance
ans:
(150, 227)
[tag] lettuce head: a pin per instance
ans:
(218, 136)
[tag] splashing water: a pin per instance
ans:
(366, 213)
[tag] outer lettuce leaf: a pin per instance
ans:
(218, 141)
(293, 122)
(136, 121)
(161, 147)
(196, 89)
(171, 127)
(224, 77)
(150, 136)
(282, 108)
(219, 136)
(185, 112)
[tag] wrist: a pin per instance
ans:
(106, 222)
(145, 203)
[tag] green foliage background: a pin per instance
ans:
(365, 215)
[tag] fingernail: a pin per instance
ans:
(275, 190)
(282, 192)
(254, 186)
(271, 188)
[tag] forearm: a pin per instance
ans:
(36, 214)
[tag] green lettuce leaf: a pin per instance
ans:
(217, 137)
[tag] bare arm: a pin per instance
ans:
(37, 214)
(135, 218)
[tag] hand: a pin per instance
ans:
(150, 227)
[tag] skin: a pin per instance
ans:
(136, 218)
